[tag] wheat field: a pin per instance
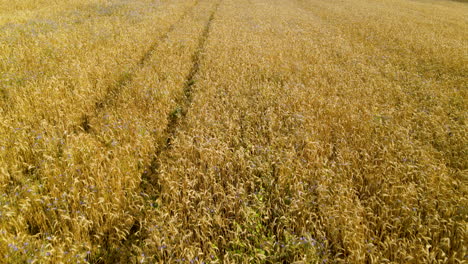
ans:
(233, 131)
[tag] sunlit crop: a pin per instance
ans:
(222, 131)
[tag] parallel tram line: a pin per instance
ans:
(113, 91)
(149, 179)
(127, 77)
(176, 117)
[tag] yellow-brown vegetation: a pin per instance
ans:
(222, 131)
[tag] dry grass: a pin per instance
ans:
(221, 131)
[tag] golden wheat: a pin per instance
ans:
(221, 131)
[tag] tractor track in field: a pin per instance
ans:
(126, 78)
(113, 90)
(177, 116)
(150, 180)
